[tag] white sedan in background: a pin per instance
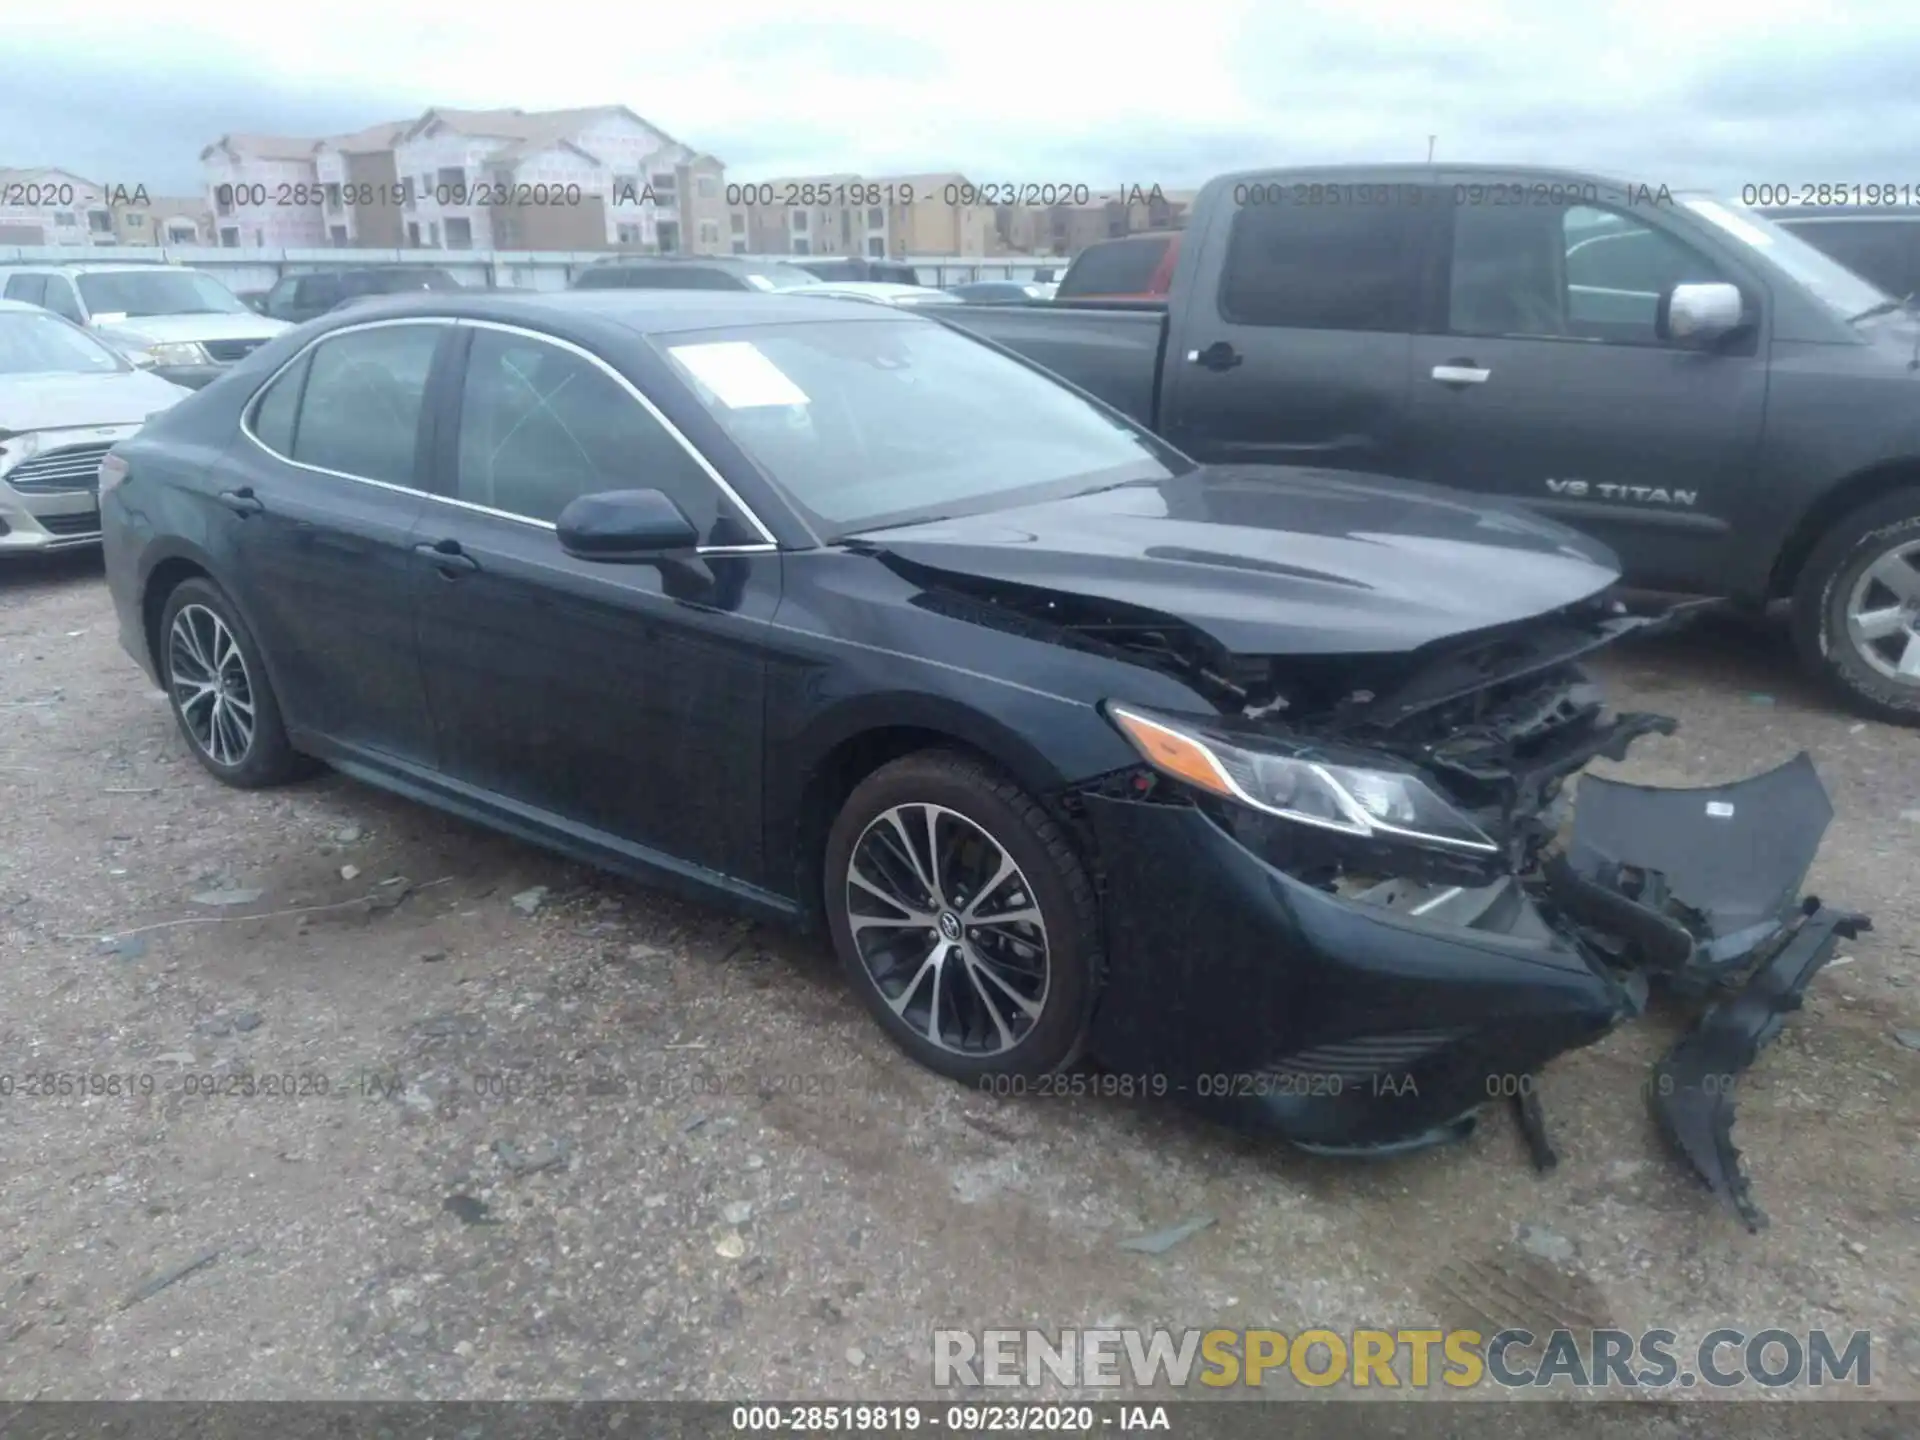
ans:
(65, 399)
(878, 291)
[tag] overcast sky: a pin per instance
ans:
(1069, 92)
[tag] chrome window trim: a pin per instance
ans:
(766, 546)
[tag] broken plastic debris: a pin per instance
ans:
(1161, 1241)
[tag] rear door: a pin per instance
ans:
(320, 503)
(1291, 331)
(1544, 379)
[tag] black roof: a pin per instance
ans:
(645, 312)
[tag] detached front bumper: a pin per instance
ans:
(1387, 1022)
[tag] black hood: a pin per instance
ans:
(1271, 560)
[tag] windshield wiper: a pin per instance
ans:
(1882, 307)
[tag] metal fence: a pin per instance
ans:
(245, 270)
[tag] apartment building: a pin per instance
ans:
(878, 216)
(142, 219)
(594, 178)
(1069, 229)
(46, 206)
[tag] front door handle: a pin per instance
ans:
(1461, 372)
(448, 558)
(243, 502)
(1217, 356)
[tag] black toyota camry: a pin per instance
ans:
(1249, 782)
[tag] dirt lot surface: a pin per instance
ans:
(578, 1140)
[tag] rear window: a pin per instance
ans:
(1116, 267)
(832, 270)
(657, 277)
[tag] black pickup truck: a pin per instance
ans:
(1731, 410)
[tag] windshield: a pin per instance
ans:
(780, 277)
(880, 423)
(1836, 287)
(47, 345)
(157, 292)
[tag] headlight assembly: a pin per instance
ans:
(177, 352)
(1374, 802)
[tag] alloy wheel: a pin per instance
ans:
(1883, 614)
(210, 684)
(948, 929)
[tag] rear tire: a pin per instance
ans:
(973, 976)
(216, 683)
(1856, 608)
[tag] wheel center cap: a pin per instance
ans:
(949, 925)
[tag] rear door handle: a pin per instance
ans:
(242, 502)
(447, 557)
(1217, 356)
(1461, 372)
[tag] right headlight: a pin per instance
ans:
(1370, 801)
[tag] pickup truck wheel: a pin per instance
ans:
(1856, 610)
(964, 919)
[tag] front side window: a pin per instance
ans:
(1580, 273)
(1319, 267)
(365, 393)
(871, 422)
(541, 426)
(39, 344)
(157, 291)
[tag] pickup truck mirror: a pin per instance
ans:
(1699, 315)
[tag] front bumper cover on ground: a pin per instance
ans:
(1349, 1027)
(1714, 875)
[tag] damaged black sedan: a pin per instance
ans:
(1252, 783)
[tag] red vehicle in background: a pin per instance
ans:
(1136, 267)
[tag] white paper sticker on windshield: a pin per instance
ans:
(1719, 809)
(742, 377)
(759, 282)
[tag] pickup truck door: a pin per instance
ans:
(1290, 329)
(1542, 377)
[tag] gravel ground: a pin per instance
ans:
(579, 1140)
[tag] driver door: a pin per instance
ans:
(1542, 377)
(623, 701)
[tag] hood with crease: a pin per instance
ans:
(1271, 560)
(70, 402)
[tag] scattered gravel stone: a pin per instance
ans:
(528, 902)
(1161, 1241)
(1547, 1244)
(227, 897)
(247, 1020)
(347, 834)
(1908, 1038)
(431, 957)
(730, 1245)
(738, 1213)
(349, 872)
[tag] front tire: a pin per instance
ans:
(217, 686)
(964, 919)
(1856, 609)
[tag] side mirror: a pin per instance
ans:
(624, 527)
(1699, 314)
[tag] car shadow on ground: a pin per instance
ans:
(28, 573)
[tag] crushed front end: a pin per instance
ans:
(1358, 904)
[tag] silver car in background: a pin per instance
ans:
(65, 399)
(182, 323)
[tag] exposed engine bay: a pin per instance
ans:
(1697, 891)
